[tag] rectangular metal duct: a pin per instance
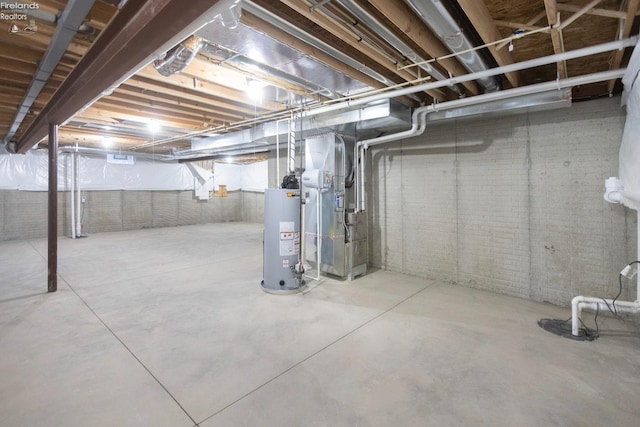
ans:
(527, 103)
(380, 116)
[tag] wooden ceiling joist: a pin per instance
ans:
(138, 28)
(481, 19)
(420, 34)
(188, 96)
(356, 42)
(553, 17)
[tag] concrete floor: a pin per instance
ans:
(169, 327)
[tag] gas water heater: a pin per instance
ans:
(281, 241)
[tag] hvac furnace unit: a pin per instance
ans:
(281, 241)
(335, 235)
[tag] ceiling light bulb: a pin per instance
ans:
(254, 84)
(153, 125)
(511, 46)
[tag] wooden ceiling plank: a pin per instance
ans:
(14, 53)
(108, 114)
(421, 35)
(578, 14)
(553, 17)
(481, 19)
(136, 97)
(204, 87)
(564, 7)
(128, 112)
(517, 25)
(189, 95)
(140, 27)
(632, 8)
(203, 115)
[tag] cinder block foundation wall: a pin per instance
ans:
(521, 213)
(24, 213)
(252, 206)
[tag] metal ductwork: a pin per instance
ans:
(67, 25)
(361, 14)
(178, 57)
(229, 55)
(314, 41)
(372, 119)
(439, 20)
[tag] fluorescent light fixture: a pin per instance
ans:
(106, 141)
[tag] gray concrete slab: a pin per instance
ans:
(169, 327)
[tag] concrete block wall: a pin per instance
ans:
(514, 206)
(24, 213)
(253, 206)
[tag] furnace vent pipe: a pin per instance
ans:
(545, 60)
(613, 190)
(437, 17)
(419, 116)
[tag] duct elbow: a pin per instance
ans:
(613, 190)
(178, 57)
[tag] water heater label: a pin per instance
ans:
(289, 239)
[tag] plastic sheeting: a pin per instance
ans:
(29, 172)
(629, 164)
(250, 177)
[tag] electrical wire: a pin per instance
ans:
(612, 308)
(563, 327)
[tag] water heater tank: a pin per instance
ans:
(281, 247)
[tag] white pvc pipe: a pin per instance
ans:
(319, 231)
(79, 217)
(580, 302)
(419, 116)
(545, 60)
(73, 193)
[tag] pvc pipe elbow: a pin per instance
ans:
(613, 190)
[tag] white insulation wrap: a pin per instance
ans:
(29, 172)
(251, 177)
(629, 166)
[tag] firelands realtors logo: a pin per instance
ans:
(16, 14)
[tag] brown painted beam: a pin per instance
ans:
(52, 258)
(139, 29)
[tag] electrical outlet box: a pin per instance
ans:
(84, 199)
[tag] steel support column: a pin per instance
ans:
(52, 259)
